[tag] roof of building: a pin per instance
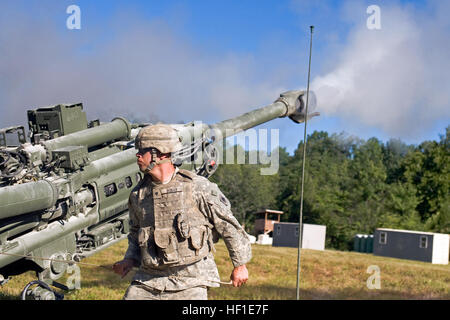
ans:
(296, 223)
(408, 231)
(270, 211)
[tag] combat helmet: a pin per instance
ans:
(160, 136)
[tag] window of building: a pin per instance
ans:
(383, 237)
(423, 242)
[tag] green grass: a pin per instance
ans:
(325, 274)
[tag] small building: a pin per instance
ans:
(285, 234)
(265, 220)
(412, 245)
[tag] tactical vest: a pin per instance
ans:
(181, 234)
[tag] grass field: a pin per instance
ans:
(325, 274)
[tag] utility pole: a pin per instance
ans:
(300, 225)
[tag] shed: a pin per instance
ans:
(285, 234)
(265, 220)
(412, 245)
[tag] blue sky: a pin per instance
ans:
(210, 60)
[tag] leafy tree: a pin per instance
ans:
(245, 187)
(428, 168)
(351, 186)
(393, 153)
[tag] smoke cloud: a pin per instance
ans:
(134, 67)
(397, 78)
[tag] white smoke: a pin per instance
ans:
(134, 67)
(397, 78)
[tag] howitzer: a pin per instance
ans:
(64, 193)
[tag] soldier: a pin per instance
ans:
(175, 218)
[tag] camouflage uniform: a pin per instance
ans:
(183, 281)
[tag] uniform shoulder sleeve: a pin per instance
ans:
(210, 192)
(217, 207)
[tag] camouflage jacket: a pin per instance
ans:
(216, 208)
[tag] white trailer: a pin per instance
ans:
(412, 245)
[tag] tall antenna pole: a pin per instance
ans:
(303, 172)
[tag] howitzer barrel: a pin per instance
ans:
(27, 197)
(290, 104)
(55, 231)
(116, 129)
(250, 119)
(224, 129)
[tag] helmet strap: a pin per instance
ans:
(154, 163)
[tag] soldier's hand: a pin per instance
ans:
(239, 276)
(123, 267)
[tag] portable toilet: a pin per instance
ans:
(357, 242)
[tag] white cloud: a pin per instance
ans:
(395, 79)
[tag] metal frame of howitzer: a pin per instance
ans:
(65, 196)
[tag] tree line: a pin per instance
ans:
(351, 186)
